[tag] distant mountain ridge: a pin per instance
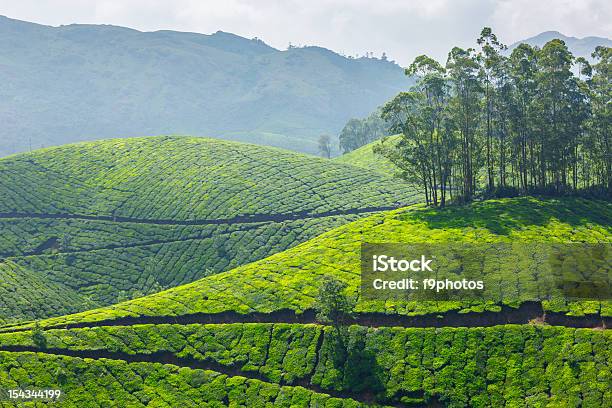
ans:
(580, 47)
(86, 82)
(83, 82)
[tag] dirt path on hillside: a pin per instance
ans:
(239, 219)
(528, 312)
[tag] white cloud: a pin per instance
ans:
(519, 19)
(402, 28)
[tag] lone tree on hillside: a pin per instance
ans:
(355, 363)
(333, 306)
(325, 146)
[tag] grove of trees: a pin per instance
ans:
(535, 121)
(360, 132)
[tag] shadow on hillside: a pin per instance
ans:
(503, 216)
(358, 370)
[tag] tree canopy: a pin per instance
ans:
(534, 121)
(360, 132)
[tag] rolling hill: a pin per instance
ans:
(233, 338)
(181, 271)
(101, 222)
(289, 280)
(85, 82)
(365, 158)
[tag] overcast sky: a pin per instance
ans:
(401, 28)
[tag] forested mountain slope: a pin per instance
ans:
(84, 82)
(580, 47)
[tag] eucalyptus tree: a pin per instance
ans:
(600, 92)
(562, 110)
(522, 70)
(411, 153)
(493, 76)
(463, 70)
(350, 135)
(425, 151)
(433, 110)
(359, 132)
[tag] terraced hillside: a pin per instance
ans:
(365, 158)
(108, 221)
(288, 281)
(295, 365)
(248, 336)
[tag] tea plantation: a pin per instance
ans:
(248, 336)
(290, 280)
(115, 383)
(184, 179)
(293, 365)
(364, 157)
(107, 221)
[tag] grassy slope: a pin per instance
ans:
(116, 383)
(493, 366)
(365, 158)
(30, 295)
(182, 178)
(289, 279)
(164, 179)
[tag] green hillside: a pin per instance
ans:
(181, 179)
(107, 221)
(232, 338)
(365, 158)
(290, 280)
(154, 384)
(294, 365)
(180, 271)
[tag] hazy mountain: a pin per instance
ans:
(580, 47)
(80, 82)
